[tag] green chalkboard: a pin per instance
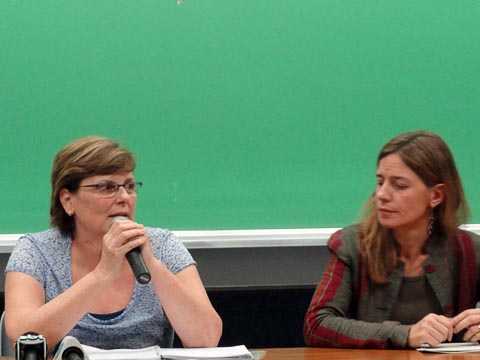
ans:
(244, 114)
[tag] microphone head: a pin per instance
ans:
(31, 345)
(70, 349)
(115, 219)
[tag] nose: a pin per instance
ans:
(122, 192)
(382, 192)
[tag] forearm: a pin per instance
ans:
(186, 305)
(329, 330)
(55, 318)
(330, 318)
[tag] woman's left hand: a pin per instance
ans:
(468, 320)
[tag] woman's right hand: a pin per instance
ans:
(123, 236)
(433, 329)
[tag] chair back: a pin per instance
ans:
(5, 346)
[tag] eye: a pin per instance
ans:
(107, 187)
(399, 186)
(130, 186)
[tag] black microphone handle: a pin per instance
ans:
(72, 354)
(31, 355)
(140, 270)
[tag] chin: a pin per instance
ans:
(387, 224)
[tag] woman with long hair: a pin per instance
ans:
(406, 275)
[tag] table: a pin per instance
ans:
(347, 354)
(354, 354)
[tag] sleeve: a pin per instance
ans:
(330, 322)
(170, 250)
(27, 258)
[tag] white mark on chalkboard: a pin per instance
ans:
(179, 2)
(174, 192)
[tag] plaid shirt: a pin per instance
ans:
(349, 311)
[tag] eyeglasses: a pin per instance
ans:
(110, 189)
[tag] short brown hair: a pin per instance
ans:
(430, 158)
(88, 156)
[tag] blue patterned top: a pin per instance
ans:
(46, 257)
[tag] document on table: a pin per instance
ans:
(239, 352)
(452, 348)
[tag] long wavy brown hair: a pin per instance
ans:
(430, 158)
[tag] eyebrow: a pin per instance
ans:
(394, 177)
(112, 181)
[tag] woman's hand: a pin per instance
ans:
(468, 320)
(123, 236)
(432, 329)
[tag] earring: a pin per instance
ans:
(70, 213)
(431, 221)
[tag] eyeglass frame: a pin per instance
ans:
(137, 185)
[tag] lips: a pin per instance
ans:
(119, 215)
(385, 211)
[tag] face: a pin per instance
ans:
(93, 212)
(403, 200)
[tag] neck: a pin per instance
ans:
(411, 254)
(411, 243)
(91, 245)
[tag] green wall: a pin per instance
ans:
(243, 114)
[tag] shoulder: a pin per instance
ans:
(45, 241)
(37, 253)
(159, 233)
(344, 242)
(466, 235)
(162, 238)
(466, 242)
(169, 249)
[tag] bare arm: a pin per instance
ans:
(187, 306)
(182, 295)
(26, 309)
(25, 305)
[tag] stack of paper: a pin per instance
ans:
(156, 353)
(148, 353)
(219, 353)
(452, 348)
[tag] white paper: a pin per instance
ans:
(232, 352)
(148, 353)
(452, 348)
(239, 352)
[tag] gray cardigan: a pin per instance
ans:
(349, 310)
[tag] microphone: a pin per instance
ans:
(31, 346)
(70, 349)
(135, 259)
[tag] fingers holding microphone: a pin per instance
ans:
(122, 235)
(113, 252)
(126, 234)
(134, 236)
